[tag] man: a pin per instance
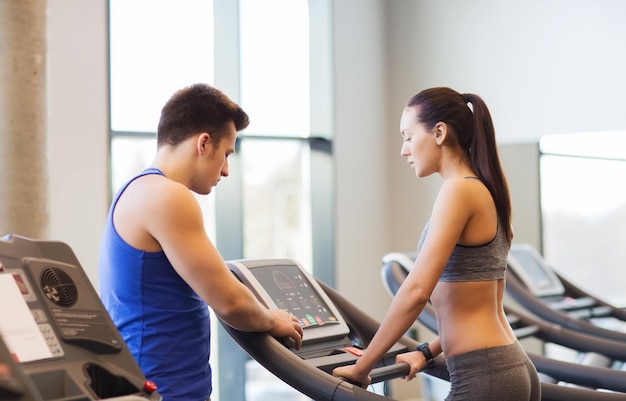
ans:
(158, 270)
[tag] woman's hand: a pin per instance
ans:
(351, 373)
(415, 360)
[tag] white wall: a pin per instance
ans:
(359, 150)
(78, 123)
(543, 67)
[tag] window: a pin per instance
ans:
(583, 204)
(156, 47)
(277, 199)
(274, 46)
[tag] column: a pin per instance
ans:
(23, 162)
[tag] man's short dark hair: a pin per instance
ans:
(198, 108)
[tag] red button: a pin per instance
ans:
(354, 351)
(149, 386)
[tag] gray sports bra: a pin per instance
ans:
(475, 263)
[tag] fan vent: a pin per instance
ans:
(58, 287)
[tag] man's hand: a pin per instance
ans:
(287, 325)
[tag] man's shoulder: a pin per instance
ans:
(155, 187)
(151, 196)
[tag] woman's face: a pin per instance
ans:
(419, 145)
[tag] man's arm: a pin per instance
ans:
(172, 216)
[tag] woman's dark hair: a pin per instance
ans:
(198, 108)
(474, 132)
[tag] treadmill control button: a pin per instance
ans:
(150, 386)
(354, 350)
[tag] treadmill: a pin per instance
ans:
(285, 284)
(335, 333)
(537, 287)
(559, 380)
(57, 342)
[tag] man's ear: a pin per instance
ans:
(440, 132)
(203, 142)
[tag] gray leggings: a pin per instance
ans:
(490, 374)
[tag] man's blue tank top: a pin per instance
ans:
(165, 324)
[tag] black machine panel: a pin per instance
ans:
(57, 331)
(292, 291)
(530, 267)
(286, 285)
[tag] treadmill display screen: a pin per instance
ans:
(533, 269)
(528, 265)
(292, 291)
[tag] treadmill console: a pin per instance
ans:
(527, 264)
(284, 284)
(328, 340)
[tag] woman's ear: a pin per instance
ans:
(440, 132)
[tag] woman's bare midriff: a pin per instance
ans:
(470, 316)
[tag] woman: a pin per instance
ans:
(461, 260)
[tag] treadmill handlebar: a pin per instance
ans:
(394, 371)
(384, 373)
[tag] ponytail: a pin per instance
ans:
(475, 135)
(484, 159)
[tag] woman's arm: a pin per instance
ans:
(450, 215)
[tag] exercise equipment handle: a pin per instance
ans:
(389, 372)
(384, 373)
